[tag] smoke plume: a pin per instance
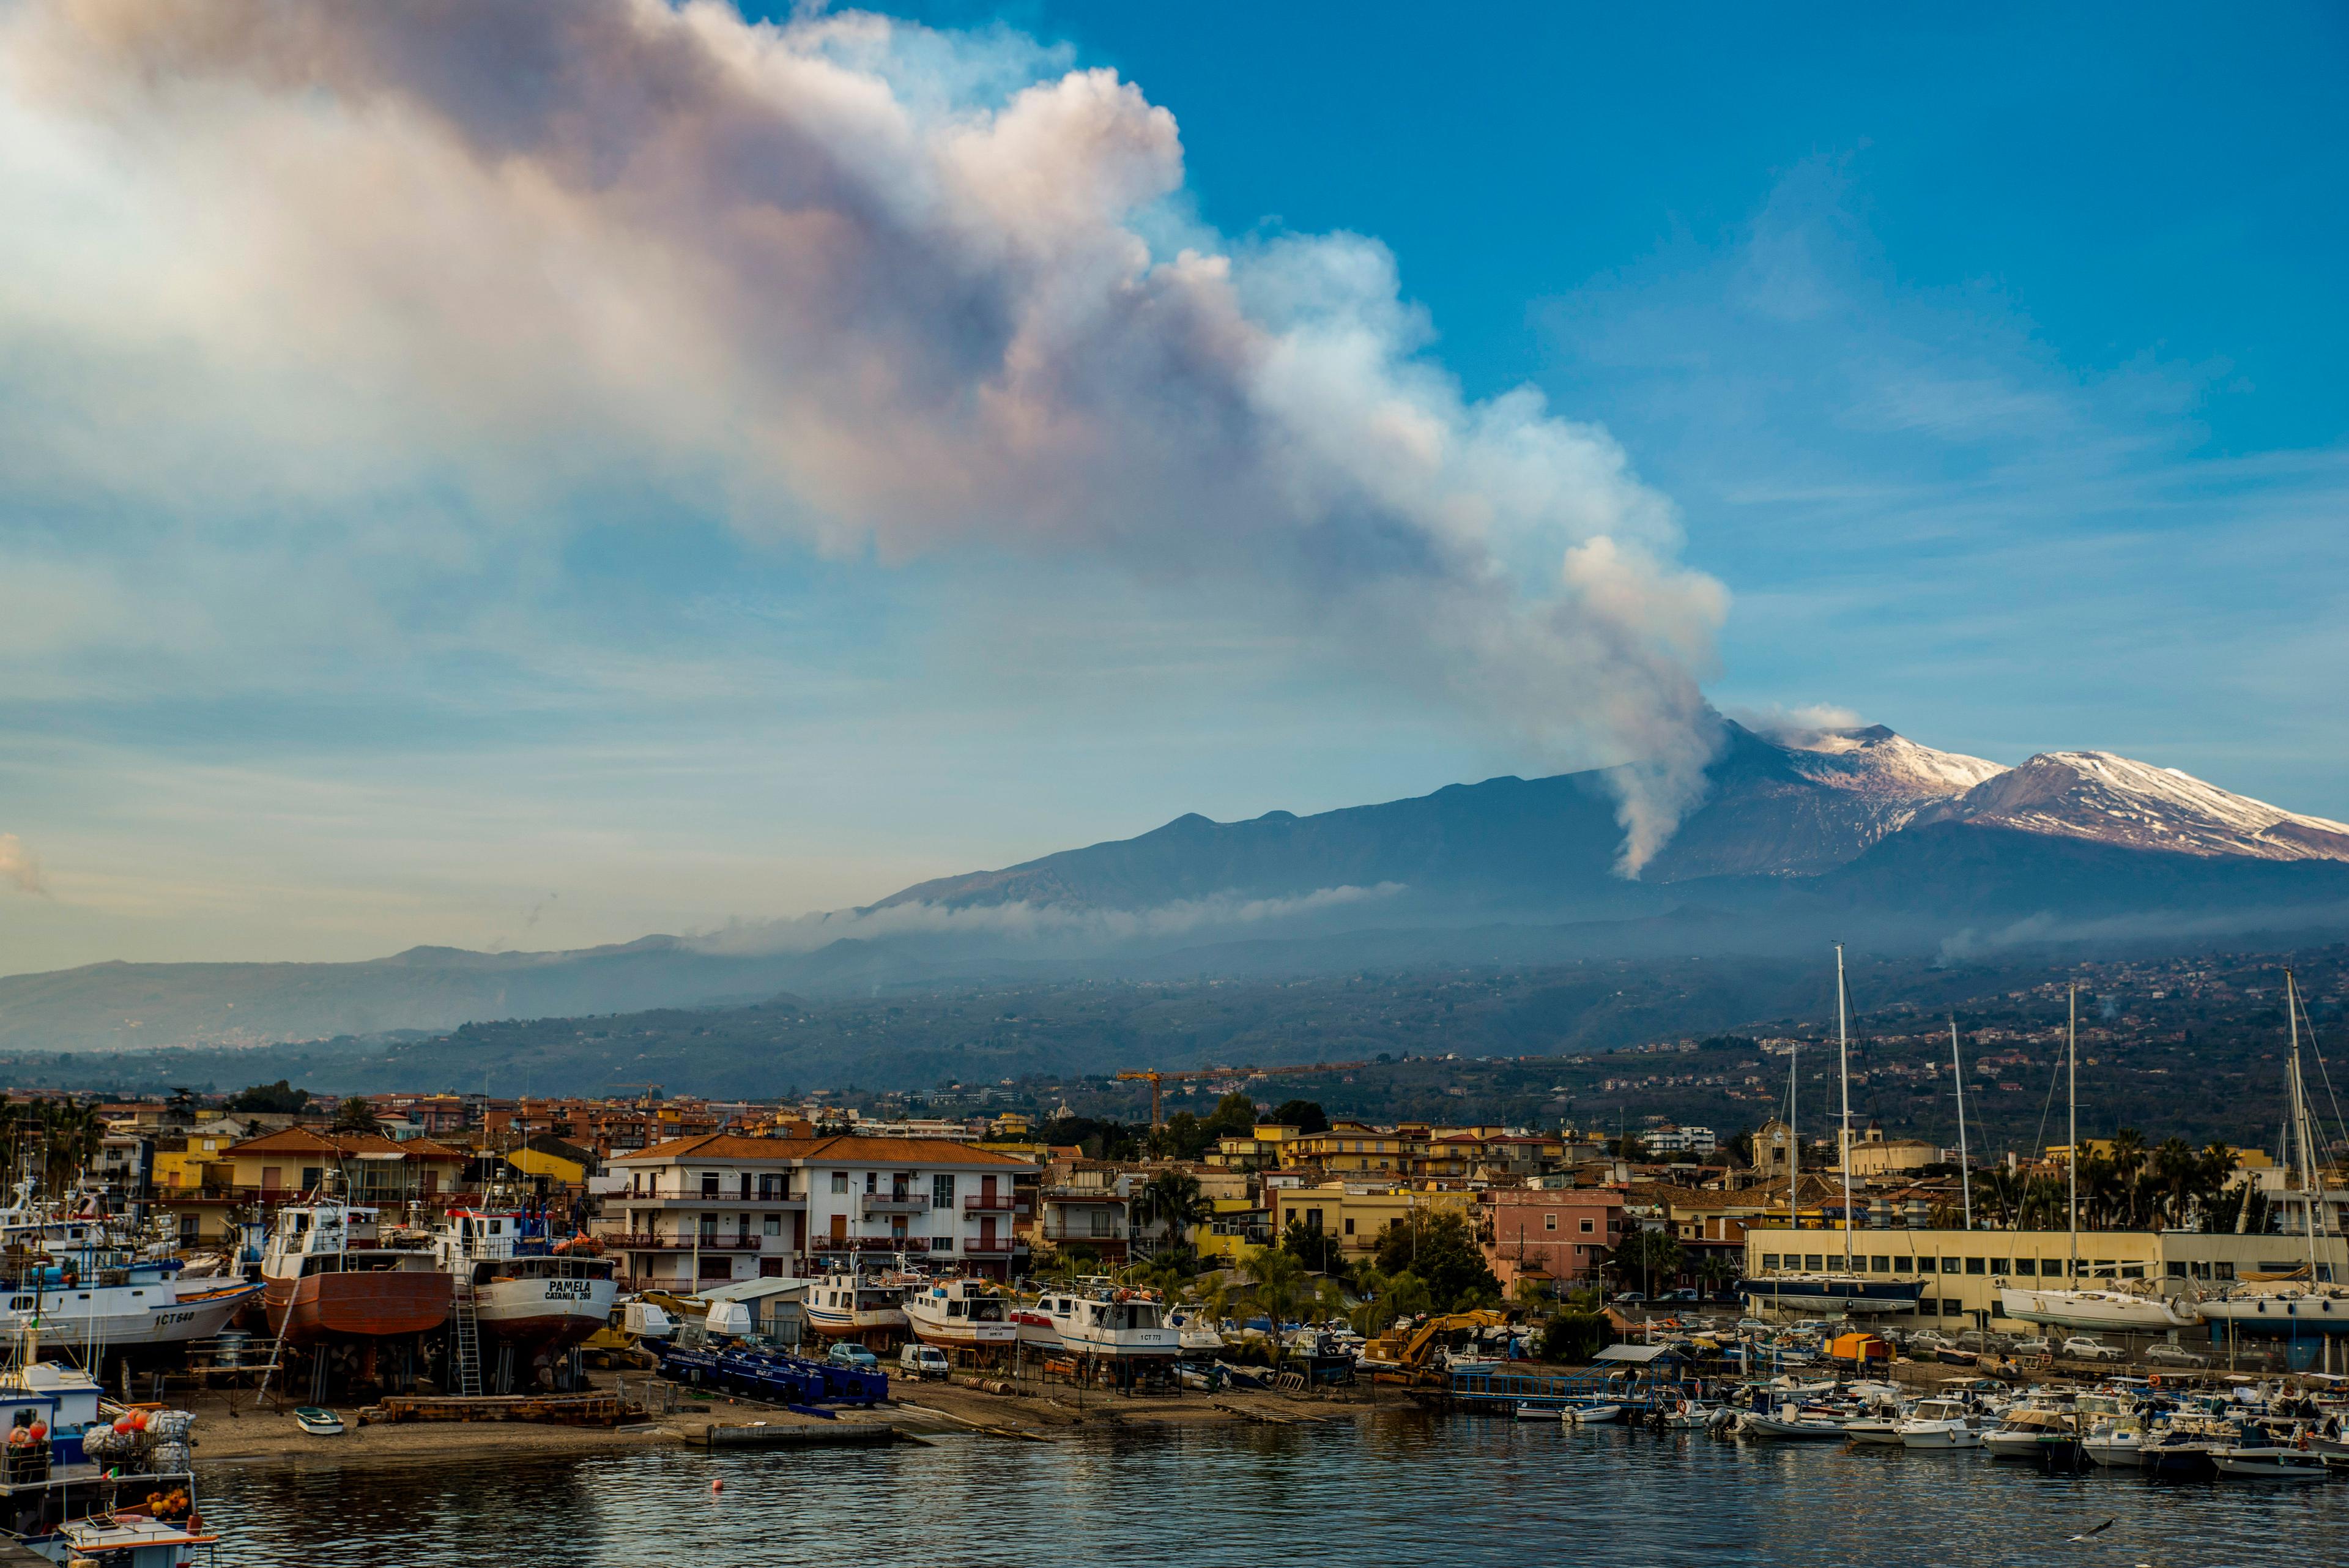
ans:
(18, 869)
(845, 281)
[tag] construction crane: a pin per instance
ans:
(1154, 1077)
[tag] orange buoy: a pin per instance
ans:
(717, 1485)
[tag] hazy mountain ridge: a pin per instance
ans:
(1857, 834)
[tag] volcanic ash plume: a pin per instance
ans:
(847, 280)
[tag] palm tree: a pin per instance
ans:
(1277, 1282)
(1999, 1191)
(2174, 1171)
(1173, 1200)
(355, 1115)
(2128, 1160)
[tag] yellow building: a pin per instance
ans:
(1349, 1148)
(560, 1170)
(1356, 1212)
(1235, 1227)
(1258, 1148)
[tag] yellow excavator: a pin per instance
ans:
(1402, 1355)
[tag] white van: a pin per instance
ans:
(919, 1360)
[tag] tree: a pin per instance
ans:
(281, 1097)
(1572, 1338)
(1173, 1199)
(1437, 1245)
(1275, 1284)
(1648, 1259)
(355, 1115)
(1630, 1148)
(1312, 1246)
(1305, 1116)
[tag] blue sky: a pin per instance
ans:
(1989, 365)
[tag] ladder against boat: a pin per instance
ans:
(465, 1338)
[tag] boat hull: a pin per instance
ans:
(1819, 1296)
(2112, 1312)
(1939, 1437)
(549, 1311)
(961, 1334)
(2293, 1315)
(123, 1321)
(359, 1304)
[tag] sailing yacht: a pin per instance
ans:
(1848, 1293)
(2316, 1304)
(2113, 1311)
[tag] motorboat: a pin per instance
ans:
(1593, 1415)
(1199, 1335)
(2033, 1432)
(319, 1422)
(2114, 1443)
(1789, 1424)
(2184, 1448)
(1874, 1430)
(524, 1290)
(325, 1273)
(1539, 1413)
(2269, 1461)
(961, 1314)
(1934, 1424)
(847, 1305)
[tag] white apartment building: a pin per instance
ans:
(720, 1207)
(1679, 1140)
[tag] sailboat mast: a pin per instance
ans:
(2312, 1185)
(1794, 1136)
(1965, 1165)
(2072, 1116)
(1843, 1055)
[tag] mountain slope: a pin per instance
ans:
(2114, 800)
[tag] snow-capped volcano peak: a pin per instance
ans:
(2118, 800)
(1875, 761)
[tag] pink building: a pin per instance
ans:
(1562, 1234)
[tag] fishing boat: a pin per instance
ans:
(526, 1291)
(1937, 1424)
(961, 1314)
(1113, 1323)
(847, 1305)
(2185, 1448)
(317, 1422)
(95, 1304)
(1591, 1414)
(2114, 1443)
(325, 1273)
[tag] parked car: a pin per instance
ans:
(1930, 1339)
(845, 1353)
(1685, 1294)
(2175, 1355)
(919, 1360)
(1975, 1339)
(1632, 1298)
(2081, 1348)
(2034, 1345)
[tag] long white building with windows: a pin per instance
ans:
(707, 1210)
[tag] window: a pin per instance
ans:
(1100, 1218)
(770, 1185)
(1586, 1227)
(2026, 1266)
(840, 1181)
(942, 1192)
(708, 1230)
(1998, 1266)
(1951, 1265)
(709, 1184)
(1814, 1262)
(1924, 1265)
(942, 1243)
(1881, 1265)
(2132, 1270)
(1976, 1265)
(774, 1224)
(1953, 1309)
(746, 1184)
(1769, 1259)
(872, 1183)
(1349, 1225)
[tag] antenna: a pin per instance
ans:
(2073, 1133)
(1842, 1056)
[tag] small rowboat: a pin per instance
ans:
(318, 1423)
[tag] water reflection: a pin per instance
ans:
(1401, 1488)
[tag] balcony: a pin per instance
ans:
(725, 1242)
(869, 1244)
(1074, 1234)
(895, 1203)
(986, 1203)
(988, 1246)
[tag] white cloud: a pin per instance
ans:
(18, 866)
(337, 319)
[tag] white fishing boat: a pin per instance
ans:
(2032, 1432)
(1591, 1414)
(1789, 1426)
(525, 1291)
(961, 1314)
(88, 1305)
(846, 1305)
(1112, 1324)
(1938, 1424)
